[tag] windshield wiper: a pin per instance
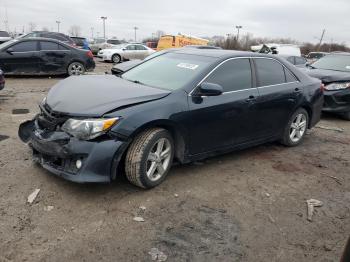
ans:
(137, 82)
(312, 67)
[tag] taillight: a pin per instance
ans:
(89, 54)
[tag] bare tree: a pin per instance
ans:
(31, 26)
(75, 30)
(159, 33)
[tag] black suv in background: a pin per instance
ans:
(53, 35)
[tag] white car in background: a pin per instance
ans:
(123, 52)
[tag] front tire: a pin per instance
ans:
(116, 59)
(149, 158)
(346, 116)
(75, 68)
(295, 129)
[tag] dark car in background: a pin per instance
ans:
(52, 35)
(298, 61)
(40, 56)
(81, 42)
(187, 104)
(334, 72)
(314, 56)
(4, 37)
(2, 80)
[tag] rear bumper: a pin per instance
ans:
(337, 101)
(58, 153)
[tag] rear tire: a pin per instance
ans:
(295, 129)
(149, 158)
(346, 116)
(76, 68)
(116, 59)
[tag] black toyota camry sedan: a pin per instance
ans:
(43, 56)
(334, 72)
(185, 105)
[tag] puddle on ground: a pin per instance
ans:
(19, 111)
(3, 137)
(203, 234)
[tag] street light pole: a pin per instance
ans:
(104, 26)
(58, 26)
(92, 33)
(238, 28)
(135, 28)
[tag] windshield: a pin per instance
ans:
(333, 62)
(169, 71)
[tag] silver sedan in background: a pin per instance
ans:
(124, 52)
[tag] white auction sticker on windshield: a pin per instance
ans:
(188, 66)
(347, 67)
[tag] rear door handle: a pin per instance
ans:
(251, 98)
(297, 90)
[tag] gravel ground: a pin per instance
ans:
(243, 206)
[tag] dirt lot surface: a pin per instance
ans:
(243, 206)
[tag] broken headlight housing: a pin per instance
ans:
(87, 129)
(337, 86)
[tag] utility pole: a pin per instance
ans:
(135, 28)
(104, 18)
(238, 28)
(58, 26)
(92, 33)
(319, 45)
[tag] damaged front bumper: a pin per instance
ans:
(72, 159)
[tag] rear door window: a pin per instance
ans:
(131, 47)
(232, 75)
(140, 47)
(269, 72)
(48, 46)
(28, 46)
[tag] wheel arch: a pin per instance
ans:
(178, 133)
(308, 109)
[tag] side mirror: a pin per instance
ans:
(209, 89)
(123, 49)
(10, 50)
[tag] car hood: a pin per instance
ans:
(96, 95)
(327, 76)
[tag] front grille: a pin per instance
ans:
(49, 120)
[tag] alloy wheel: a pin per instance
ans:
(158, 159)
(297, 128)
(76, 69)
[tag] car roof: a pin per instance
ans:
(220, 53)
(339, 53)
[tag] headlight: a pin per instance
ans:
(88, 128)
(337, 86)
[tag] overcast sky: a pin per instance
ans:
(302, 20)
